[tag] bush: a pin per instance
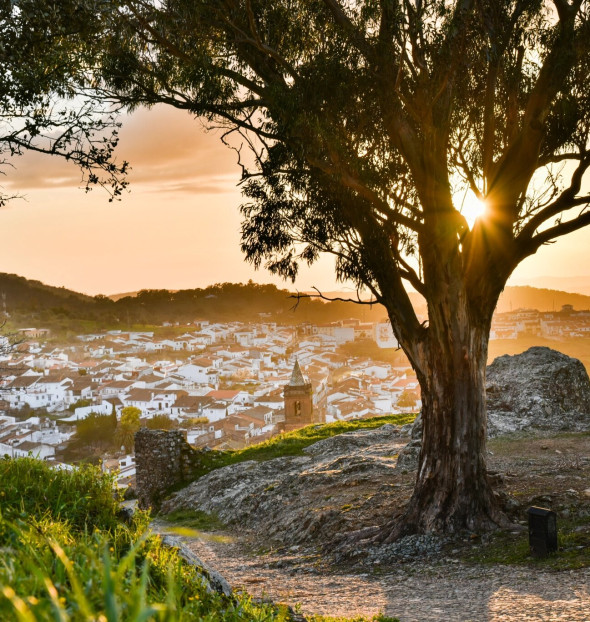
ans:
(83, 497)
(161, 422)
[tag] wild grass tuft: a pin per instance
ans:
(81, 497)
(66, 558)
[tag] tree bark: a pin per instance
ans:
(452, 491)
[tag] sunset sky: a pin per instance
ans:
(177, 228)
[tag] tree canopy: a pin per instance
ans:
(128, 426)
(360, 128)
(45, 58)
(370, 120)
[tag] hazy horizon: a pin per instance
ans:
(581, 284)
(178, 227)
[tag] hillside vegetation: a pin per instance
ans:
(525, 297)
(32, 302)
(67, 557)
(70, 558)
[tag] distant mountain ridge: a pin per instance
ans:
(25, 300)
(579, 284)
(527, 297)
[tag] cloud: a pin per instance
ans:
(201, 186)
(166, 148)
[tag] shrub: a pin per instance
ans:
(82, 497)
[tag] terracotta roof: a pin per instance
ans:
(139, 395)
(151, 378)
(117, 384)
(257, 412)
(217, 406)
(224, 394)
(53, 379)
(192, 401)
(244, 420)
(81, 383)
(22, 382)
(202, 362)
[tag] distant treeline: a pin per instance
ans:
(26, 300)
(33, 302)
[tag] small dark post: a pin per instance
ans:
(542, 531)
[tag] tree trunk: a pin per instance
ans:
(452, 490)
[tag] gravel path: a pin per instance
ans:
(448, 591)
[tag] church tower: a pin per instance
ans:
(298, 400)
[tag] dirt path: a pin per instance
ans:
(548, 469)
(449, 591)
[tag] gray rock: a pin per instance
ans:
(409, 456)
(271, 496)
(408, 548)
(212, 580)
(353, 441)
(539, 389)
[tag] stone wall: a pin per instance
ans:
(164, 460)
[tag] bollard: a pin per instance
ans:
(542, 531)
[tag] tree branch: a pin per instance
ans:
(355, 184)
(557, 231)
(566, 200)
(356, 37)
(319, 294)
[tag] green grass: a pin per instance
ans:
(293, 443)
(82, 497)
(507, 548)
(66, 558)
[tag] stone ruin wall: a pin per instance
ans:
(163, 461)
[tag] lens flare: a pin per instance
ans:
(472, 208)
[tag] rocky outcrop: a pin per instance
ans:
(350, 483)
(539, 389)
(295, 500)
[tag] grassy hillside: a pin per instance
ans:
(68, 558)
(293, 443)
(24, 296)
(31, 302)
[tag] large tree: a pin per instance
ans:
(367, 121)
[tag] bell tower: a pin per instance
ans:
(298, 400)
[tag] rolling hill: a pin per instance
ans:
(28, 301)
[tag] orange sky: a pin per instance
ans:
(177, 228)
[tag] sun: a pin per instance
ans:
(471, 207)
